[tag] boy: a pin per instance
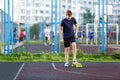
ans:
(47, 35)
(67, 35)
(80, 36)
(91, 36)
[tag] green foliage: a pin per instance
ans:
(61, 54)
(116, 54)
(34, 31)
(33, 42)
(1, 54)
(99, 55)
(88, 17)
(22, 56)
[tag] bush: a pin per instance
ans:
(62, 54)
(98, 54)
(80, 54)
(116, 54)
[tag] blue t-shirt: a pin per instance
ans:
(91, 35)
(79, 33)
(68, 30)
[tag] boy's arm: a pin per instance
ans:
(61, 33)
(76, 30)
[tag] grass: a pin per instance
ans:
(33, 42)
(50, 57)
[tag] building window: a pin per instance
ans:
(63, 1)
(41, 18)
(22, 11)
(22, 17)
(69, 1)
(36, 18)
(36, 11)
(47, 18)
(27, 4)
(69, 7)
(84, 2)
(47, 12)
(89, 3)
(47, 5)
(37, 5)
(41, 5)
(28, 12)
(41, 12)
(63, 6)
(23, 3)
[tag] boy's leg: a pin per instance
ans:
(49, 42)
(45, 40)
(75, 63)
(74, 48)
(67, 50)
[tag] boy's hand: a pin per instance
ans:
(62, 40)
(76, 36)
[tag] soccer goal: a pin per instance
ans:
(111, 32)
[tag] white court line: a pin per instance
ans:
(19, 71)
(54, 67)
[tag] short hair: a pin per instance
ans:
(69, 13)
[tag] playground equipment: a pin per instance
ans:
(10, 29)
(101, 10)
(8, 37)
(1, 26)
(55, 24)
(27, 32)
(98, 31)
(15, 33)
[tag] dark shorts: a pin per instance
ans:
(68, 41)
(21, 39)
(91, 37)
(79, 36)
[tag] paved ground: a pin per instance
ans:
(9, 70)
(56, 71)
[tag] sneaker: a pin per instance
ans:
(45, 44)
(77, 65)
(66, 64)
(74, 61)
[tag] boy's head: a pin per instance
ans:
(90, 29)
(69, 14)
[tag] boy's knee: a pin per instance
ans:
(73, 44)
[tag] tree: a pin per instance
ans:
(88, 17)
(34, 31)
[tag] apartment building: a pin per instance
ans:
(34, 11)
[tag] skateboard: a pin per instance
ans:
(77, 65)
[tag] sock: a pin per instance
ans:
(74, 60)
